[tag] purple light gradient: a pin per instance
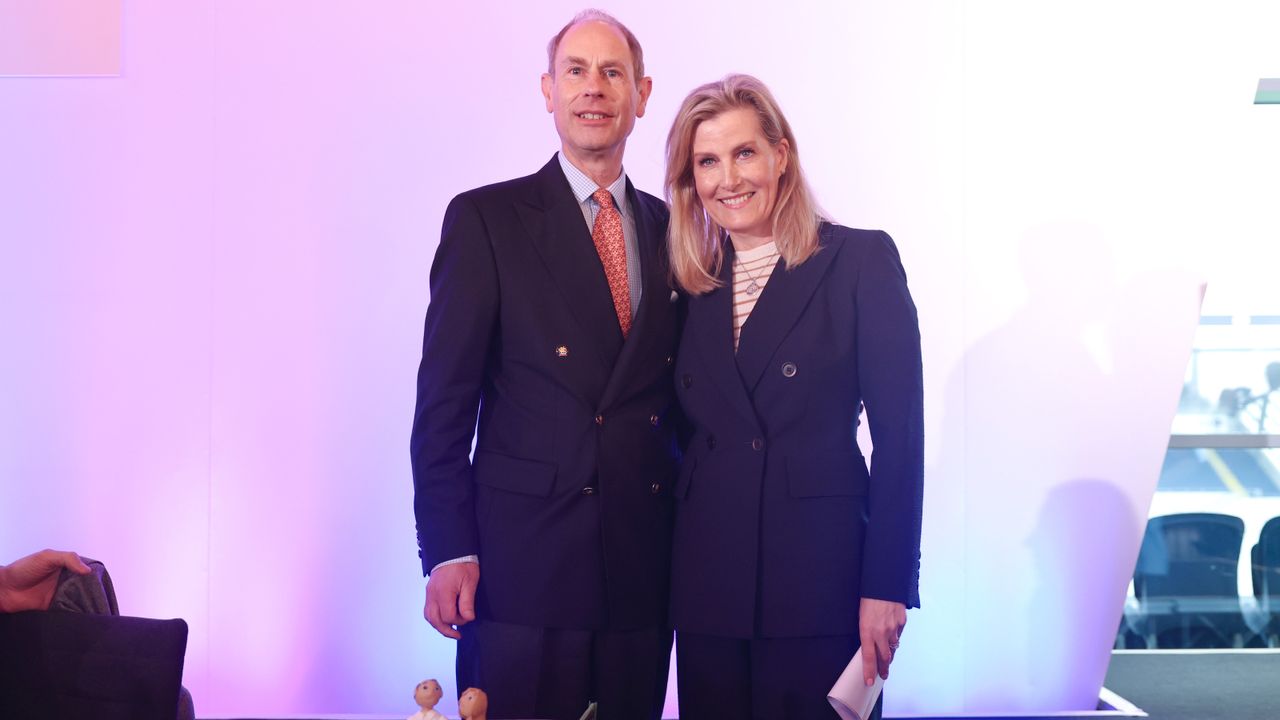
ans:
(213, 273)
(60, 37)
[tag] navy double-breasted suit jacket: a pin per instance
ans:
(780, 528)
(567, 501)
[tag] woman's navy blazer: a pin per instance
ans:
(780, 528)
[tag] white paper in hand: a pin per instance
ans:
(851, 698)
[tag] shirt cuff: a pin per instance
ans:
(455, 561)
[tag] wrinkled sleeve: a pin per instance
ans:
(461, 320)
(890, 376)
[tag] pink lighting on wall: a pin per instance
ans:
(213, 273)
(60, 37)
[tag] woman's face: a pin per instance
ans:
(736, 172)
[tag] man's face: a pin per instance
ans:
(593, 91)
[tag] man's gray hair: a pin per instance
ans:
(594, 15)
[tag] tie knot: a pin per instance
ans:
(604, 197)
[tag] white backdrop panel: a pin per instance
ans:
(214, 273)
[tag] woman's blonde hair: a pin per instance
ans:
(696, 242)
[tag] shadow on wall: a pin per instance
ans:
(1083, 529)
(1049, 406)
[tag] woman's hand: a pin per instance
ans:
(880, 624)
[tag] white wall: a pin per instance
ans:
(213, 272)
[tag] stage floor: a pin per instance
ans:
(1186, 685)
(1166, 685)
(1198, 684)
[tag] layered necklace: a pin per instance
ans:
(753, 287)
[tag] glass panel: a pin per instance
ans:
(1245, 472)
(1208, 572)
(1233, 380)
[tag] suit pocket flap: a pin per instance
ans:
(827, 474)
(513, 474)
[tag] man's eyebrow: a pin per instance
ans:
(574, 61)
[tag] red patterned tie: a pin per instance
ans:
(607, 235)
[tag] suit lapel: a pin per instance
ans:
(638, 348)
(554, 221)
(711, 327)
(779, 307)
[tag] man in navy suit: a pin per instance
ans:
(552, 317)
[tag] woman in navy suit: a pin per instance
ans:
(788, 553)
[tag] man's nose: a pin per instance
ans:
(593, 85)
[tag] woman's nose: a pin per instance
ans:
(731, 176)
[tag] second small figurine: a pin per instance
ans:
(473, 705)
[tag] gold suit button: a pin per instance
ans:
(562, 351)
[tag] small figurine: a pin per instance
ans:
(473, 705)
(427, 694)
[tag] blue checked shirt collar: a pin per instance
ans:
(584, 187)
